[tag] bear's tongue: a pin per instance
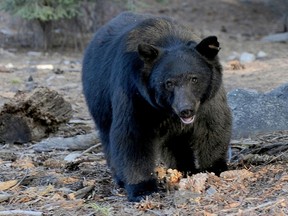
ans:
(188, 120)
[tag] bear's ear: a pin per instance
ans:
(148, 53)
(208, 47)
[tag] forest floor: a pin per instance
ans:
(35, 183)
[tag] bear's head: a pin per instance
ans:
(182, 77)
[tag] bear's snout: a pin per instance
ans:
(187, 116)
(186, 113)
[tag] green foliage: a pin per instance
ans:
(101, 210)
(42, 10)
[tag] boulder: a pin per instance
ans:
(255, 112)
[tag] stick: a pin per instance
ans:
(25, 176)
(91, 148)
(275, 158)
(21, 212)
(80, 193)
(264, 205)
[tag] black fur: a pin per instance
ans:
(153, 87)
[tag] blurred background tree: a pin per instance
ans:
(47, 24)
(44, 12)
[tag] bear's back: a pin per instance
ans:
(143, 28)
(117, 27)
(159, 31)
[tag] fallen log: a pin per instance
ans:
(79, 142)
(33, 116)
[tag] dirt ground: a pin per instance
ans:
(44, 183)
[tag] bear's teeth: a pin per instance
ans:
(188, 120)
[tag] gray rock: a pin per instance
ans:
(246, 57)
(6, 53)
(34, 53)
(279, 37)
(233, 56)
(261, 54)
(255, 112)
(8, 32)
(211, 191)
(72, 156)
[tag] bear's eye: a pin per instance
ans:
(169, 84)
(194, 79)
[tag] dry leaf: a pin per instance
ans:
(195, 183)
(58, 196)
(68, 180)
(284, 178)
(148, 205)
(4, 69)
(209, 214)
(46, 190)
(233, 205)
(71, 196)
(52, 163)
(7, 184)
(236, 174)
(170, 177)
(7, 94)
(24, 163)
(71, 204)
(235, 65)
(160, 172)
(174, 176)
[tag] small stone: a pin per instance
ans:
(45, 67)
(30, 79)
(211, 191)
(6, 53)
(72, 156)
(261, 54)
(247, 57)
(66, 62)
(279, 37)
(58, 71)
(33, 53)
(9, 66)
(233, 56)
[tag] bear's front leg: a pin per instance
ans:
(133, 160)
(212, 152)
(138, 192)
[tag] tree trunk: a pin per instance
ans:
(46, 31)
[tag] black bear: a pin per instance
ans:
(154, 89)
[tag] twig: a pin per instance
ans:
(275, 158)
(90, 149)
(25, 176)
(264, 205)
(21, 212)
(80, 193)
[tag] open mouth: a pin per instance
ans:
(189, 120)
